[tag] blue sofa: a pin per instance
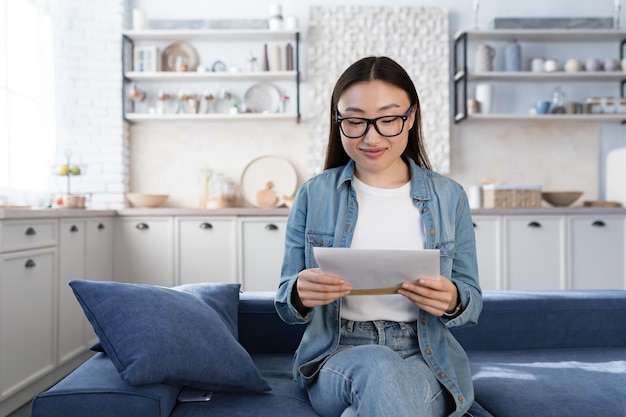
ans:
(540, 354)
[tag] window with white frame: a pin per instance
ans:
(27, 113)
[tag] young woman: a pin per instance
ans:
(378, 355)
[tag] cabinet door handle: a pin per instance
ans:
(271, 227)
(475, 225)
(534, 224)
(30, 264)
(205, 225)
(142, 226)
(101, 226)
(73, 229)
(30, 232)
(598, 223)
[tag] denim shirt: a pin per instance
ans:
(325, 213)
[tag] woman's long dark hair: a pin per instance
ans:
(370, 69)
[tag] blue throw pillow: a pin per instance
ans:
(220, 296)
(162, 335)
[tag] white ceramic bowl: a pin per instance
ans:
(561, 198)
(147, 200)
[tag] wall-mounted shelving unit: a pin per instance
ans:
(257, 37)
(463, 76)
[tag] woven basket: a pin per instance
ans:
(513, 197)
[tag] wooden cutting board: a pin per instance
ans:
(616, 175)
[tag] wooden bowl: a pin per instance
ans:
(561, 198)
(147, 200)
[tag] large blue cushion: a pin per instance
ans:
(551, 382)
(95, 389)
(162, 335)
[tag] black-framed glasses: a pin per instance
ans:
(387, 126)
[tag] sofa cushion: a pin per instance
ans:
(257, 314)
(551, 382)
(286, 399)
(547, 319)
(162, 335)
(95, 389)
(218, 295)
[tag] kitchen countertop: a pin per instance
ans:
(26, 213)
(540, 211)
(181, 211)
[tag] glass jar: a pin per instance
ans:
(222, 192)
(205, 177)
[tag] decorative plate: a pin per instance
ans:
(264, 170)
(179, 49)
(262, 98)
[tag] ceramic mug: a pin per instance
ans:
(542, 107)
(473, 106)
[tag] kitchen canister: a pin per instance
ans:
(485, 55)
(484, 95)
(275, 19)
(513, 57)
(573, 65)
(612, 64)
(593, 64)
(551, 65)
(536, 64)
(475, 196)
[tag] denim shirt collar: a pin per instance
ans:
(419, 179)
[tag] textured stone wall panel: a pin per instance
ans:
(416, 37)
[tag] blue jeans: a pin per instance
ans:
(377, 371)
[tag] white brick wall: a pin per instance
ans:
(88, 83)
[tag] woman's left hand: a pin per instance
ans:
(433, 296)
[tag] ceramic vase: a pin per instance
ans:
(512, 57)
(484, 95)
(485, 55)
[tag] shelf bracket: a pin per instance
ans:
(458, 117)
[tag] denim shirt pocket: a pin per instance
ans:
(446, 257)
(316, 240)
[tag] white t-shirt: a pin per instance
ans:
(387, 219)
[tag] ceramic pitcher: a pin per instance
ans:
(485, 55)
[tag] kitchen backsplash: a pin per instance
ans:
(169, 159)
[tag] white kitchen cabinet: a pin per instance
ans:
(72, 252)
(488, 251)
(27, 318)
(99, 254)
(596, 252)
(28, 279)
(98, 260)
(206, 249)
(144, 250)
(261, 248)
(534, 252)
(85, 252)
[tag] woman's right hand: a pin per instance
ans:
(315, 288)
